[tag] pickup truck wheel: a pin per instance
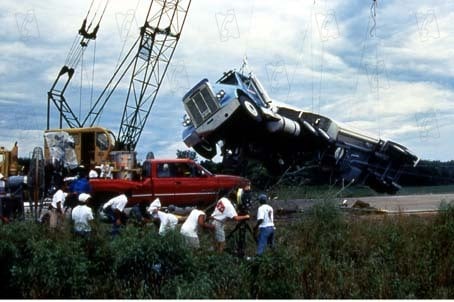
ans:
(251, 108)
(206, 149)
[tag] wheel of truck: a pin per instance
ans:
(206, 149)
(251, 108)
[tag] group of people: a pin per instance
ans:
(81, 214)
(114, 209)
(74, 197)
(223, 211)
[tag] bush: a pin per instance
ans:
(14, 240)
(274, 275)
(143, 261)
(53, 269)
(320, 255)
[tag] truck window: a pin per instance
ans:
(197, 171)
(228, 79)
(183, 170)
(164, 170)
(102, 142)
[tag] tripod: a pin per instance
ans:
(239, 234)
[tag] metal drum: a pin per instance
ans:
(125, 162)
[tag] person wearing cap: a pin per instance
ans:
(80, 185)
(167, 221)
(191, 226)
(265, 225)
(115, 210)
(224, 210)
(81, 215)
(56, 212)
(2, 195)
(93, 174)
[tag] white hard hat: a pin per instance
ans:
(83, 197)
(1, 176)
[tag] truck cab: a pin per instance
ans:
(236, 114)
(92, 145)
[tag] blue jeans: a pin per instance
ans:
(266, 236)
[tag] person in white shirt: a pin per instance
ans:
(2, 185)
(190, 227)
(224, 210)
(114, 208)
(82, 215)
(265, 225)
(58, 202)
(167, 221)
(2, 195)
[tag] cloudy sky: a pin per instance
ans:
(386, 69)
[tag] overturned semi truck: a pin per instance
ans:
(237, 114)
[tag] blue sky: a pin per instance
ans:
(390, 74)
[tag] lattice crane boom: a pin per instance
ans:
(56, 93)
(146, 62)
(158, 39)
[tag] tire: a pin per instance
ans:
(205, 149)
(251, 109)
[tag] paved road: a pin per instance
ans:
(405, 203)
(390, 204)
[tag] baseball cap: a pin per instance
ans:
(83, 197)
(263, 198)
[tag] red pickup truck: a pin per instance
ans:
(180, 182)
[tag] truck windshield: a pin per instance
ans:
(228, 79)
(254, 89)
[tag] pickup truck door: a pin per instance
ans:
(193, 185)
(164, 183)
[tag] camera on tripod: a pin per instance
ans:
(244, 200)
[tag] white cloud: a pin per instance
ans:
(327, 61)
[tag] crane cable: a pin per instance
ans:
(373, 15)
(75, 51)
(70, 57)
(120, 57)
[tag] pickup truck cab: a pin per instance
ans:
(181, 182)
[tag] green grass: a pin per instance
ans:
(324, 254)
(427, 190)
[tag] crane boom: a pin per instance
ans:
(145, 64)
(148, 60)
(56, 93)
(158, 39)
